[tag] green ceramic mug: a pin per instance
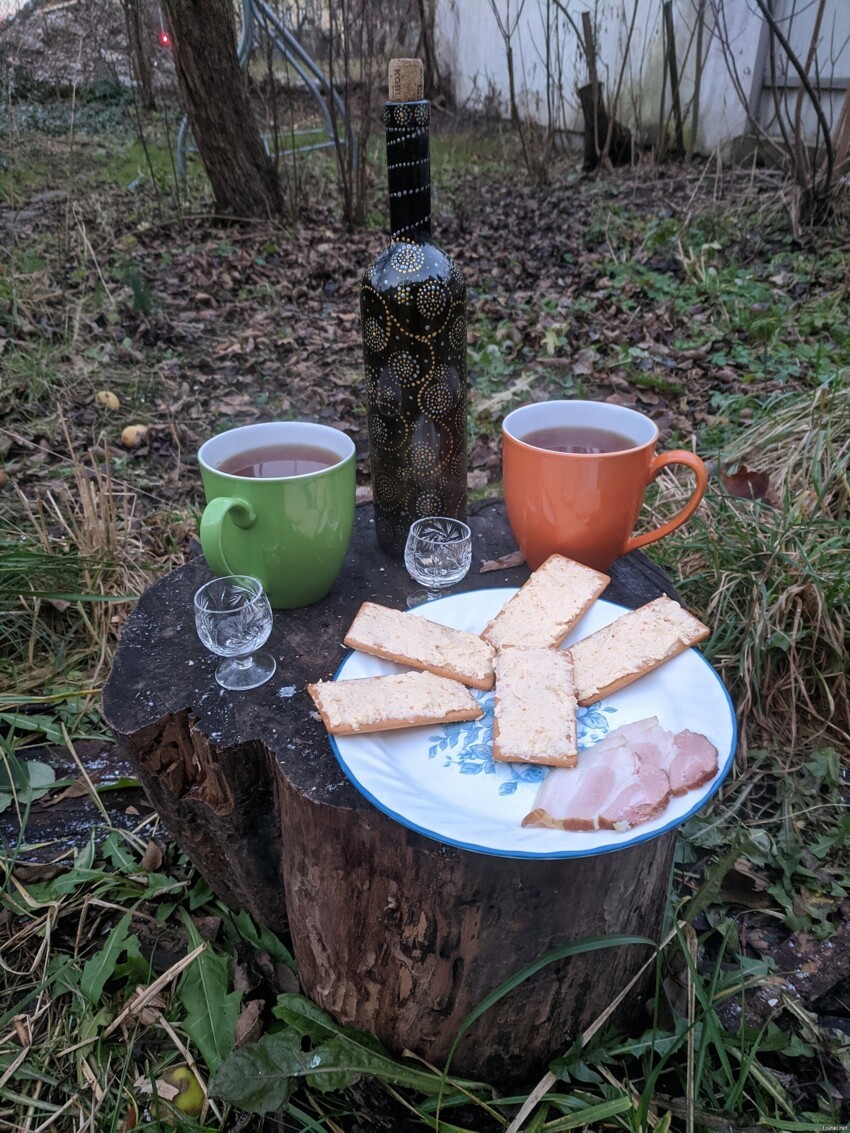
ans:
(267, 517)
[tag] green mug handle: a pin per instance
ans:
(241, 513)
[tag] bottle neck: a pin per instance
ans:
(408, 169)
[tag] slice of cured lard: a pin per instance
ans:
(693, 762)
(626, 779)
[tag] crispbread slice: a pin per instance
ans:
(535, 714)
(547, 605)
(401, 700)
(422, 644)
(634, 644)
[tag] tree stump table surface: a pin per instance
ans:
(392, 931)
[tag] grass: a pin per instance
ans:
(95, 1020)
(109, 984)
(772, 575)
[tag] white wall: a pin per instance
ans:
(471, 47)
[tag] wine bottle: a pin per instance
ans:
(413, 319)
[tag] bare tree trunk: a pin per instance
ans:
(139, 50)
(673, 71)
(425, 48)
(241, 173)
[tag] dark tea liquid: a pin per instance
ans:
(578, 439)
(274, 461)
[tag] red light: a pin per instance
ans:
(164, 39)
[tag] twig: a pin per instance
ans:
(793, 59)
(52, 1119)
(193, 1066)
(138, 1001)
(96, 799)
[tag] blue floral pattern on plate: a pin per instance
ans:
(468, 746)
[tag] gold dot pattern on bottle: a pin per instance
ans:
(457, 466)
(436, 396)
(387, 490)
(404, 368)
(424, 460)
(373, 377)
(375, 333)
(415, 372)
(378, 430)
(407, 258)
(388, 432)
(429, 503)
(431, 299)
(392, 529)
(388, 399)
(457, 333)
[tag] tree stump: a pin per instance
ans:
(597, 124)
(393, 932)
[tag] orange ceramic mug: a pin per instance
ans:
(575, 475)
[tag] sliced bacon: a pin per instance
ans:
(692, 763)
(624, 780)
(611, 788)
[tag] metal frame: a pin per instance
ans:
(294, 55)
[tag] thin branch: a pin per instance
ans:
(782, 39)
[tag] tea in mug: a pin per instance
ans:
(578, 439)
(274, 462)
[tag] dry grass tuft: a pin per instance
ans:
(69, 580)
(773, 580)
(803, 443)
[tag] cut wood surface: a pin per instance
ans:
(393, 932)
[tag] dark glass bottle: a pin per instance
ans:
(413, 315)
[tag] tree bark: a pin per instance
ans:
(139, 50)
(243, 178)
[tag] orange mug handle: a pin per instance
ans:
(677, 456)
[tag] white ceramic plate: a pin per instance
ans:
(442, 780)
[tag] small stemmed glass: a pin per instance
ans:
(437, 554)
(233, 618)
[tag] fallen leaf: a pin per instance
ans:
(208, 927)
(151, 858)
(76, 790)
(27, 872)
(744, 885)
(748, 484)
(249, 1025)
(506, 562)
(648, 396)
(584, 361)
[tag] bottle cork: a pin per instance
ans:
(406, 80)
